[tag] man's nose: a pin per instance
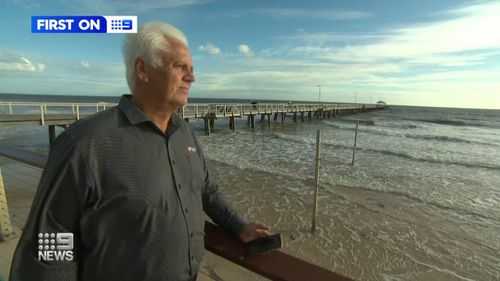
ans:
(189, 77)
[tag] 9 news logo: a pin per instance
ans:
(84, 24)
(55, 246)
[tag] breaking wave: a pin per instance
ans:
(391, 153)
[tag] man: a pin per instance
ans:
(130, 182)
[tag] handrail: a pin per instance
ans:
(275, 265)
(187, 111)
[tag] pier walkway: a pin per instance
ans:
(63, 114)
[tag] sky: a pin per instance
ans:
(427, 52)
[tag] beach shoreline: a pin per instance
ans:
(362, 234)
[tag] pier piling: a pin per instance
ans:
(207, 126)
(52, 133)
(231, 123)
(354, 147)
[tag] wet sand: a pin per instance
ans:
(363, 234)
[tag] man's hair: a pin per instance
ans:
(149, 44)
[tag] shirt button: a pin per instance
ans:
(173, 162)
(179, 186)
(186, 210)
(192, 234)
(192, 258)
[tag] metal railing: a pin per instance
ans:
(189, 110)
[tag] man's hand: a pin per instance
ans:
(253, 231)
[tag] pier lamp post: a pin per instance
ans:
(319, 94)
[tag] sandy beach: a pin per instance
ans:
(364, 235)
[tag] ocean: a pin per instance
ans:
(422, 201)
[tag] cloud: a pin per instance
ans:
(28, 4)
(311, 14)
(245, 50)
(84, 64)
(25, 73)
(210, 49)
(467, 30)
(127, 6)
(13, 61)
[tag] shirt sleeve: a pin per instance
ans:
(214, 203)
(56, 208)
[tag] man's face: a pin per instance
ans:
(172, 81)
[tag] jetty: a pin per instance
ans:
(55, 114)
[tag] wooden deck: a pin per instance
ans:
(20, 181)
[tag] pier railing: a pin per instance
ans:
(194, 110)
(51, 107)
(275, 265)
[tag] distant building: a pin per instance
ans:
(381, 104)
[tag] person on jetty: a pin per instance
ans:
(129, 183)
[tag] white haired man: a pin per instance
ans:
(130, 183)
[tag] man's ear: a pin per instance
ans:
(140, 70)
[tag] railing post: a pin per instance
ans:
(6, 229)
(316, 180)
(10, 108)
(73, 108)
(77, 112)
(42, 117)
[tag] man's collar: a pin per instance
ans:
(135, 115)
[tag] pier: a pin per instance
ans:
(63, 114)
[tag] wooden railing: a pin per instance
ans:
(275, 265)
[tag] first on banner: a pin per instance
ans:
(83, 24)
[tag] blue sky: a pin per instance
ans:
(432, 53)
